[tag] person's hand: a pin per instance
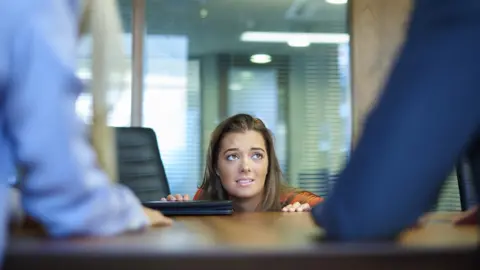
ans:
(176, 197)
(467, 218)
(156, 218)
(297, 207)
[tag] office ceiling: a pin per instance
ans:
(215, 26)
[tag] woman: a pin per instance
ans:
(242, 166)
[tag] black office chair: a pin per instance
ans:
(468, 172)
(465, 184)
(140, 166)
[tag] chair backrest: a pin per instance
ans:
(465, 184)
(468, 174)
(140, 166)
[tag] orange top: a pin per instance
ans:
(287, 198)
(300, 196)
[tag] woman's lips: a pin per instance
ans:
(244, 182)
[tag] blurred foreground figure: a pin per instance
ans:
(63, 188)
(427, 116)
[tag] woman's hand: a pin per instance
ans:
(176, 197)
(297, 207)
(156, 218)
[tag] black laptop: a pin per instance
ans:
(191, 208)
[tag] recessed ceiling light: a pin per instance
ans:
(285, 37)
(298, 43)
(203, 13)
(260, 58)
(337, 2)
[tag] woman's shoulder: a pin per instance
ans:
(198, 195)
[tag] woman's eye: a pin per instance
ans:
(232, 157)
(257, 156)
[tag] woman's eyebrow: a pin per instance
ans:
(230, 149)
(257, 149)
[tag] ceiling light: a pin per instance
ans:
(285, 37)
(337, 2)
(298, 43)
(260, 58)
(203, 13)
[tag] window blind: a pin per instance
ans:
(326, 124)
(173, 111)
(255, 91)
(259, 90)
(449, 198)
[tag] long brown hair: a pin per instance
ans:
(212, 186)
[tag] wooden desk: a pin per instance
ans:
(247, 241)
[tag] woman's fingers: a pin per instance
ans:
(291, 207)
(304, 208)
(297, 207)
(294, 207)
(176, 197)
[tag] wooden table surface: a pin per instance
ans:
(245, 241)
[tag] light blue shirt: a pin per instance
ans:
(40, 131)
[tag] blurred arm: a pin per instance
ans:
(63, 189)
(427, 114)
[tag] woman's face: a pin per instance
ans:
(243, 164)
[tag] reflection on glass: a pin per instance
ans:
(119, 114)
(171, 106)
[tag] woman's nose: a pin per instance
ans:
(245, 165)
